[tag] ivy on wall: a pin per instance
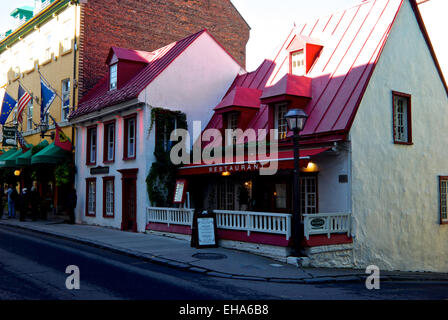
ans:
(161, 178)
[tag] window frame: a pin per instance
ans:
(291, 62)
(29, 111)
(276, 119)
(63, 93)
(441, 219)
(89, 144)
(87, 213)
(107, 124)
(126, 120)
(115, 66)
(105, 181)
(406, 96)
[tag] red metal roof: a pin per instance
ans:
(242, 97)
(352, 41)
(130, 55)
(101, 97)
(291, 85)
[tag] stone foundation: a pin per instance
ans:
(331, 256)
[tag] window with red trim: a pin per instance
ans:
(91, 146)
(297, 63)
(443, 198)
(90, 197)
(108, 197)
(402, 118)
(109, 142)
(130, 137)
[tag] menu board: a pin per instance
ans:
(179, 191)
(206, 232)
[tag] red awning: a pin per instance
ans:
(285, 160)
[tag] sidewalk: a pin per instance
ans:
(219, 262)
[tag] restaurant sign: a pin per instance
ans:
(9, 136)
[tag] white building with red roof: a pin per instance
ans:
(115, 141)
(374, 180)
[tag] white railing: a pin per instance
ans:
(170, 216)
(327, 223)
(266, 222)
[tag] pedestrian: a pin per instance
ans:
(12, 197)
(71, 204)
(23, 204)
(34, 201)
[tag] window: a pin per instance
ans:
(29, 115)
(280, 121)
(298, 63)
(232, 123)
(443, 197)
(47, 50)
(30, 64)
(308, 194)
(109, 141)
(113, 77)
(129, 138)
(91, 145)
(108, 197)
(280, 196)
(226, 195)
(65, 98)
(91, 197)
(67, 42)
(402, 118)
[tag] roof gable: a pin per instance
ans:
(100, 97)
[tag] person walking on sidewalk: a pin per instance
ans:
(24, 204)
(12, 197)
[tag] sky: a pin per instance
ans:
(271, 21)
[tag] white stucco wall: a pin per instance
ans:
(334, 197)
(193, 83)
(395, 187)
(83, 171)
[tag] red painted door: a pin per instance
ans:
(129, 207)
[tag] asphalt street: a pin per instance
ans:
(32, 267)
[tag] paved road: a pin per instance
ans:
(32, 266)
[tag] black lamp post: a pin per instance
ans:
(296, 119)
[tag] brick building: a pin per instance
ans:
(148, 25)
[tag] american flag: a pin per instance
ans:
(24, 99)
(22, 141)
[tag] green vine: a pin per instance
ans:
(64, 174)
(161, 178)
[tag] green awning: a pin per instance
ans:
(51, 155)
(6, 156)
(25, 158)
(7, 153)
(10, 161)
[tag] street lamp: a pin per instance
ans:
(296, 119)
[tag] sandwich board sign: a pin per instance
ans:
(204, 230)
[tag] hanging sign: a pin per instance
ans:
(9, 136)
(180, 191)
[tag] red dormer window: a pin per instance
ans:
(113, 77)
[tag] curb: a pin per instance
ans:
(200, 270)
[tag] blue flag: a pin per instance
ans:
(8, 104)
(48, 96)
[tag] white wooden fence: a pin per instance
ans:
(266, 222)
(170, 216)
(327, 223)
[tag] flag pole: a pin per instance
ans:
(48, 84)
